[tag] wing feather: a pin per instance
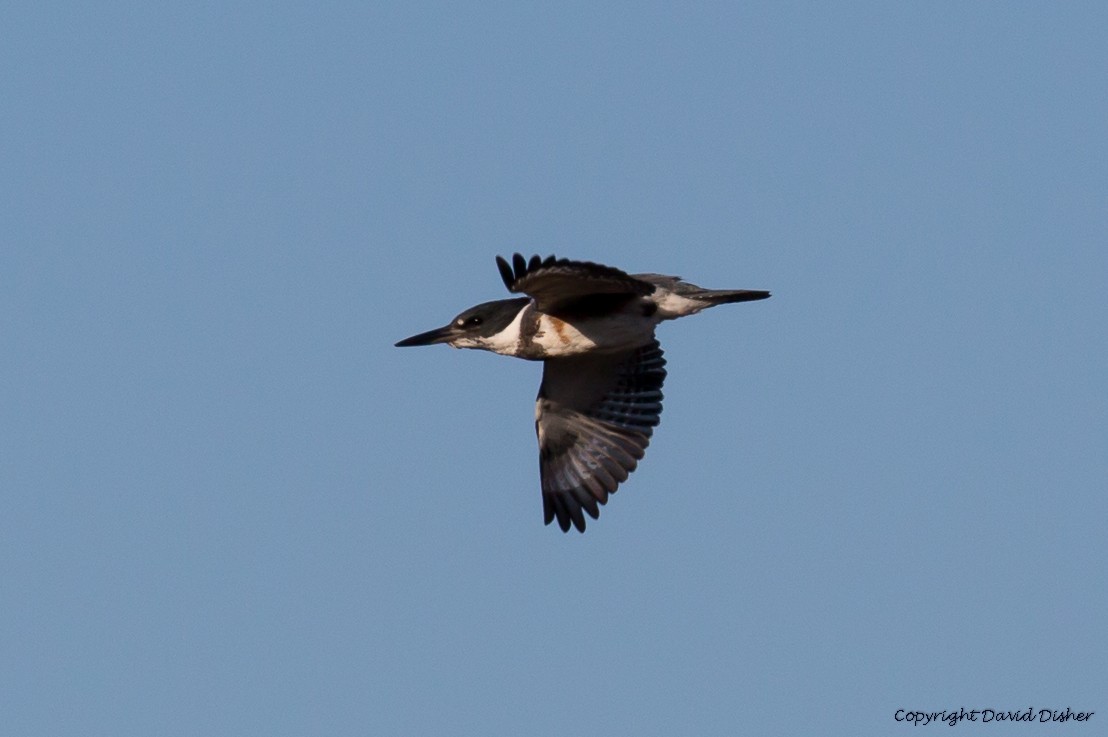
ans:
(594, 417)
(557, 285)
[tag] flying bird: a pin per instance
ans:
(592, 326)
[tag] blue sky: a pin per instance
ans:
(228, 506)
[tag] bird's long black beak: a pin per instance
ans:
(438, 335)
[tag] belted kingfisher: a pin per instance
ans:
(592, 326)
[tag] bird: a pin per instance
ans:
(592, 326)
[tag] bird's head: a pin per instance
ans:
(478, 327)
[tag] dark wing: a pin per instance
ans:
(556, 284)
(594, 417)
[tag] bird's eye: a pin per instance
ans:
(473, 322)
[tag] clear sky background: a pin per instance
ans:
(229, 506)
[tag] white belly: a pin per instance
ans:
(614, 333)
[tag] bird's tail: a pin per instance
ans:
(724, 296)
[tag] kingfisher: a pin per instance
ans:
(600, 398)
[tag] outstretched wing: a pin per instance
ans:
(594, 417)
(558, 284)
